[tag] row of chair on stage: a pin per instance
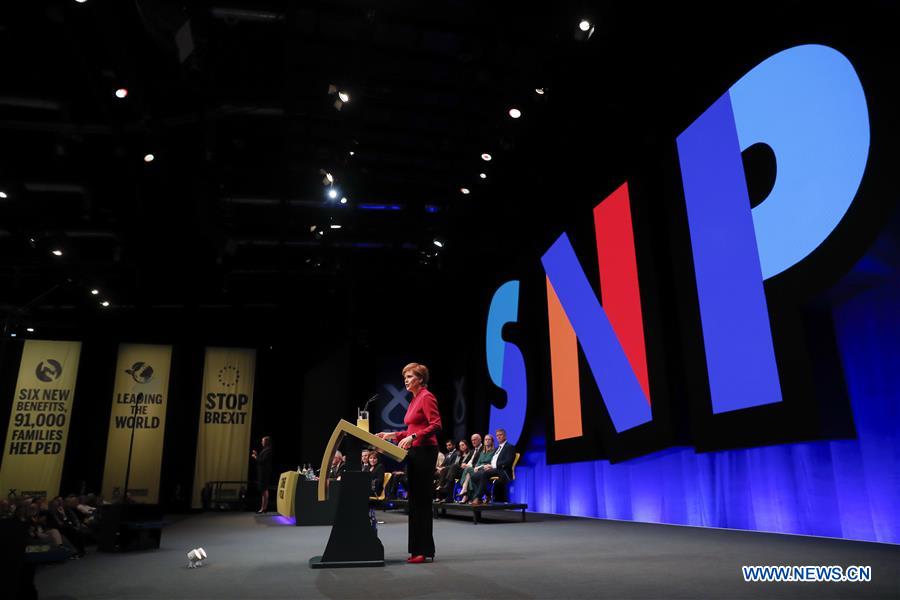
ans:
(473, 471)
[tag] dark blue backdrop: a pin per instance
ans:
(847, 488)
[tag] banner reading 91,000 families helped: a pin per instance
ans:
(39, 420)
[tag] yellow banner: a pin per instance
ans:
(39, 419)
(139, 410)
(226, 407)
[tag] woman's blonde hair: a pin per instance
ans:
(420, 371)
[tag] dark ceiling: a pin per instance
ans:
(233, 101)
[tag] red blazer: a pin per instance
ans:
(422, 418)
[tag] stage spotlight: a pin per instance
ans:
(584, 31)
(343, 96)
(439, 243)
(483, 175)
(105, 303)
(540, 91)
(3, 195)
(465, 191)
(94, 292)
(29, 329)
(329, 177)
(515, 113)
(352, 153)
(344, 200)
(121, 93)
(196, 558)
(56, 252)
(335, 226)
(332, 194)
(148, 158)
(80, 1)
(13, 334)
(485, 156)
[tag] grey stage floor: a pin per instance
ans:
(547, 557)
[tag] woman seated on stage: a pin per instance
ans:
(376, 469)
(483, 462)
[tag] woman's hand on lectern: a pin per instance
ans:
(406, 442)
(386, 435)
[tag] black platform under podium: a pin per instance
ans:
(307, 508)
(353, 541)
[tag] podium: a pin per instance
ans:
(353, 541)
(287, 486)
(307, 508)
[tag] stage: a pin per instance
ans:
(546, 557)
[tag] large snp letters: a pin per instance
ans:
(506, 366)
(808, 105)
(574, 311)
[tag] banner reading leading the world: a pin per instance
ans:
(139, 410)
(226, 407)
(39, 420)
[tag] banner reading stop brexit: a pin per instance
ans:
(39, 420)
(139, 412)
(226, 407)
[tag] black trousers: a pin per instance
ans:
(448, 478)
(420, 471)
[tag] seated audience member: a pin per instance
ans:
(398, 478)
(86, 508)
(38, 532)
(451, 455)
(7, 509)
(476, 447)
(452, 472)
(337, 466)
(377, 471)
(77, 517)
(60, 520)
(483, 462)
(500, 466)
(364, 460)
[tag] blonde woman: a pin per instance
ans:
(483, 462)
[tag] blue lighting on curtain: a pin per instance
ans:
(843, 488)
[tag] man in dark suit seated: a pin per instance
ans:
(451, 457)
(337, 466)
(501, 466)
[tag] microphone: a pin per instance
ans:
(370, 400)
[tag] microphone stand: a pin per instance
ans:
(130, 448)
(369, 401)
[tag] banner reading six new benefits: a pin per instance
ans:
(39, 420)
(226, 406)
(139, 409)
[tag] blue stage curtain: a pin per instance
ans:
(844, 488)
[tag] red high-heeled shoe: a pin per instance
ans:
(419, 559)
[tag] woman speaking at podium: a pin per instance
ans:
(423, 422)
